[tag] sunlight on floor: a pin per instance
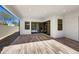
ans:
(41, 47)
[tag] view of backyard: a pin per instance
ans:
(7, 30)
(9, 24)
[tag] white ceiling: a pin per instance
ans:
(41, 11)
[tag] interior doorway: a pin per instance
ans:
(40, 27)
(44, 27)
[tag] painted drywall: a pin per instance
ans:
(71, 25)
(53, 31)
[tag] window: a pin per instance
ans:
(60, 24)
(27, 25)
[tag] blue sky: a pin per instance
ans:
(7, 17)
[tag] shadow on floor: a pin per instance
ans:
(31, 38)
(69, 42)
(8, 40)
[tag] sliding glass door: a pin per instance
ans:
(34, 27)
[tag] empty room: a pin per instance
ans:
(39, 29)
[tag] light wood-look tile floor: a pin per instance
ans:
(38, 44)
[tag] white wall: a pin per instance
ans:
(53, 31)
(71, 25)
